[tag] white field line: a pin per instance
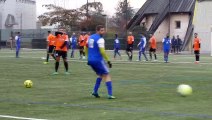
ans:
(19, 118)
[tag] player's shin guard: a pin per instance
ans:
(139, 56)
(47, 57)
(66, 66)
(150, 55)
(56, 66)
(197, 57)
(155, 56)
(97, 85)
(109, 88)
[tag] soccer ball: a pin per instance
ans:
(28, 83)
(184, 90)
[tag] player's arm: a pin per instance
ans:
(144, 43)
(101, 45)
(138, 44)
(64, 44)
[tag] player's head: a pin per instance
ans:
(116, 35)
(130, 33)
(100, 29)
(18, 33)
(173, 36)
(150, 35)
(89, 33)
(58, 34)
(49, 32)
(195, 35)
(167, 35)
(73, 33)
(178, 36)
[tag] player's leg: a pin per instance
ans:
(144, 54)
(64, 56)
(72, 52)
(17, 51)
(47, 56)
(197, 56)
(114, 56)
(154, 52)
(150, 54)
(139, 55)
(108, 83)
(96, 87)
(57, 62)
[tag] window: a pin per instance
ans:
(178, 24)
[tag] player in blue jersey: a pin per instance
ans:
(95, 50)
(166, 47)
(18, 44)
(73, 44)
(142, 45)
(116, 46)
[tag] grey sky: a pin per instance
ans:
(109, 5)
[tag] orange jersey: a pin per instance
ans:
(196, 44)
(65, 37)
(153, 43)
(59, 41)
(130, 40)
(51, 39)
(86, 39)
(82, 40)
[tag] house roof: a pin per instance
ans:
(161, 8)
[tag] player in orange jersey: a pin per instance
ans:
(81, 43)
(196, 47)
(153, 47)
(50, 47)
(130, 42)
(61, 50)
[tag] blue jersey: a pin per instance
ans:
(18, 41)
(166, 43)
(142, 43)
(73, 42)
(94, 43)
(116, 44)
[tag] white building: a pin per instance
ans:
(17, 14)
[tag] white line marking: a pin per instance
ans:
(19, 118)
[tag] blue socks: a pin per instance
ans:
(109, 87)
(97, 85)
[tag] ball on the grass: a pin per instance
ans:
(28, 83)
(184, 90)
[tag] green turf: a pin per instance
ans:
(144, 90)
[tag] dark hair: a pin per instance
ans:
(57, 33)
(18, 32)
(195, 34)
(98, 27)
(49, 31)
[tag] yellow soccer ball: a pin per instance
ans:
(28, 83)
(184, 90)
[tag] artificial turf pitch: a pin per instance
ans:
(144, 90)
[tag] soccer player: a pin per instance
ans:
(95, 51)
(18, 44)
(130, 42)
(51, 47)
(116, 46)
(166, 48)
(142, 45)
(81, 44)
(196, 47)
(153, 46)
(61, 50)
(73, 42)
(179, 43)
(174, 45)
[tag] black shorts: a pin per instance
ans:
(152, 50)
(61, 53)
(196, 52)
(51, 49)
(129, 47)
(81, 48)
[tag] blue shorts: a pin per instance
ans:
(99, 67)
(142, 50)
(166, 50)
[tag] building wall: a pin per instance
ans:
(202, 24)
(184, 19)
(23, 12)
